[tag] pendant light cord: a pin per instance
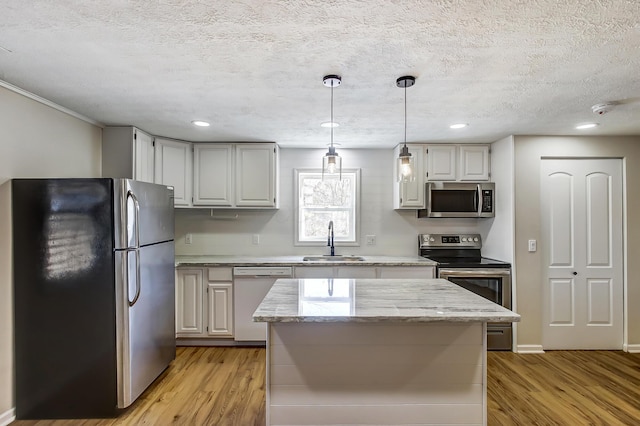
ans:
(405, 115)
(332, 124)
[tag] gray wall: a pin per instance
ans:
(529, 267)
(35, 141)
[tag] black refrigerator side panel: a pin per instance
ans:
(64, 296)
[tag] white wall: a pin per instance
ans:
(498, 243)
(35, 141)
(396, 231)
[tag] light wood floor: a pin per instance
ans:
(225, 386)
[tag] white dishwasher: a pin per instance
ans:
(250, 285)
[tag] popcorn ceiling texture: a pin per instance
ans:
(254, 68)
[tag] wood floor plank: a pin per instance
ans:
(226, 386)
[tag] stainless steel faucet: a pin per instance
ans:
(330, 239)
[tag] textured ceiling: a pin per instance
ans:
(254, 68)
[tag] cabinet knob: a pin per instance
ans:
(574, 273)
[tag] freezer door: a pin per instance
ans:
(143, 213)
(145, 317)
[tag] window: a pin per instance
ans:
(320, 201)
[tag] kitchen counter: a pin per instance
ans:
(376, 300)
(206, 261)
(376, 351)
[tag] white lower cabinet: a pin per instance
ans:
(189, 303)
(204, 310)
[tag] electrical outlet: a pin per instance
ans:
(533, 245)
(371, 240)
(256, 239)
(188, 239)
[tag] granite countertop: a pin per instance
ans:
(297, 261)
(376, 300)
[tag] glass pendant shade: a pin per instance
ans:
(332, 163)
(405, 166)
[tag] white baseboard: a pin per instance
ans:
(7, 417)
(634, 349)
(529, 349)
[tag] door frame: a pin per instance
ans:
(545, 247)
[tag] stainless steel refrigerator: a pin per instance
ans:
(93, 267)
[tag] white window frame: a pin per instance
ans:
(356, 215)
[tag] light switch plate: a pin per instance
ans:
(255, 239)
(533, 245)
(371, 240)
(188, 239)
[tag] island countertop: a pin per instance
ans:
(211, 260)
(376, 300)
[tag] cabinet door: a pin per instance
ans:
(189, 302)
(355, 272)
(406, 272)
(212, 175)
(256, 175)
(220, 309)
(313, 272)
(441, 162)
(410, 195)
(474, 162)
(173, 168)
(144, 157)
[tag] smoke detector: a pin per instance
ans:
(603, 108)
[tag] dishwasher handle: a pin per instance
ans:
(263, 271)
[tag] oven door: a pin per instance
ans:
(493, 284)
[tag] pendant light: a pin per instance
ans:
(331, 162)
(405, 160)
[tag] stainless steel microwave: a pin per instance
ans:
(459, 199)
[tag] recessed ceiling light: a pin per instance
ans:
(458, 126)
(586, 126)
(329, 124)
(200, 123)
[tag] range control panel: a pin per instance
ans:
(450, 240)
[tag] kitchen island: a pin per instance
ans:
(376, 351)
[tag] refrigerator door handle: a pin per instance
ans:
(136, 217)
(135, 298)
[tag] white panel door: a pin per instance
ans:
(441, 162)
(255, 175)
(474, 162)
(212, 175)
(144, 157)
(581, 201)
(189, 292)
(173, 162)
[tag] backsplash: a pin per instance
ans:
(395, 230)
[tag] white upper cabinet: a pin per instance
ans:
(409, 195)
(127, 152)
(173, 163)
(457, 162)
(256, 175)
(441, 162)
(212, 175)
(243, 175)
(474, 162)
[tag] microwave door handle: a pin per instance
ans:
(478, 199)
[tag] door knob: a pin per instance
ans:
(575, 273)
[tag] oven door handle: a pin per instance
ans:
(480, 272)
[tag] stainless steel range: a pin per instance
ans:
(460, 261)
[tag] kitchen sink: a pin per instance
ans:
(336, 258)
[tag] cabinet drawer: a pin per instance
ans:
(220, 273)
